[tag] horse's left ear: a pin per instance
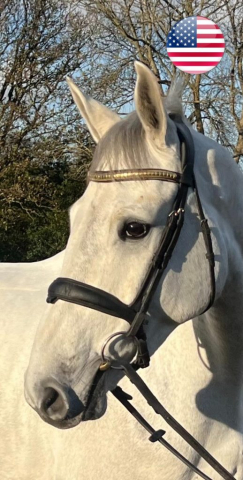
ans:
(149, 105)
(99, 119)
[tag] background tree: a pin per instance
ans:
(45, 151)
(41, 143)
(138, 29)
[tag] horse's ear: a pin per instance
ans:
(99, 118)
(149, 105)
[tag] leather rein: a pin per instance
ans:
(73, 291)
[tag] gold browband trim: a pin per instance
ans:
(142, 174)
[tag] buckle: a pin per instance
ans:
(142, 357)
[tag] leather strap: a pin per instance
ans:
(80, 293)
(209, 248)
(160, 410)
(155, 435)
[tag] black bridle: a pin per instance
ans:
(82, 294)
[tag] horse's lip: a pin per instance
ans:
(63, 424)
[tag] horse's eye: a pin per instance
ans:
(135, 230)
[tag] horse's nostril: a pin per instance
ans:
(57, 402)
(51, 396)
(54, 404)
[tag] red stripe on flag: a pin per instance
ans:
(196, 54)
(202, 18)
(210, 45)
(210, 35)
(191, 63)
(208, 26)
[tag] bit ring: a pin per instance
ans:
(106, 361)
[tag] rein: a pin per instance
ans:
(73, 291)
(157, 435)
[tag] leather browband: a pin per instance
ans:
(106, 176)
(133, 174)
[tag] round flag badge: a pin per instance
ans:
(195, 45)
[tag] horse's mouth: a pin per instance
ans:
(96, 403)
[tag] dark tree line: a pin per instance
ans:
(42, 150)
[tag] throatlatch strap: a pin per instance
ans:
(209, 248)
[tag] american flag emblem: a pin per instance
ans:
(195, 45)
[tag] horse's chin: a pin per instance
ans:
(95, 410)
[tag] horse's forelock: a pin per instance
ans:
(124, 146)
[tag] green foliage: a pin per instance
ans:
(34, 211)
(44, 153)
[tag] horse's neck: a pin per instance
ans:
(220, 332)
(200, 366)
(221, 328)
(202, 360)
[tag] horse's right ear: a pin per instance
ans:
(99, 118)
